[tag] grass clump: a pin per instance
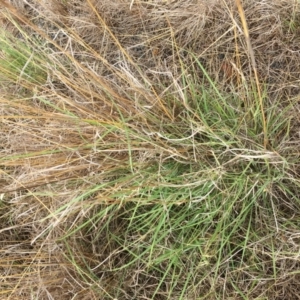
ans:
(140, 159)
(20, 63)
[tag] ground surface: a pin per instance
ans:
(149, 149)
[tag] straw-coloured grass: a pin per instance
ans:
(149, 149)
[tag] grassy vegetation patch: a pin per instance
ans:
(149, 150)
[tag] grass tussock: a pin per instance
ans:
(149, 150)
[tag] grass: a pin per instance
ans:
(136, 165)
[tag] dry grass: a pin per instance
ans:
(145, 153)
